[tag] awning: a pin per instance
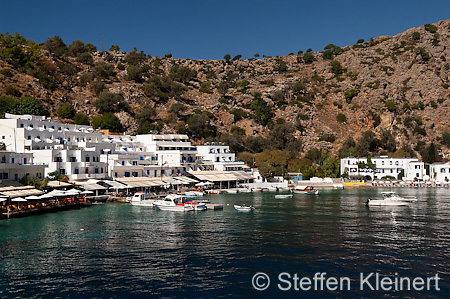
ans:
(221, 176)
(139, 182)
(117, 185)
(91, 187)
(22, 193)
(57, 184)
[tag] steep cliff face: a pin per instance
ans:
(397, 83)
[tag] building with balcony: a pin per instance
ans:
(218, 157)
(440, 172)
(14, 166)
(383, 166)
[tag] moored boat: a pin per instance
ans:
(174, 202)
(390, 198)
(308, 190)
(283, 196)
(139, 199)
(244, 208)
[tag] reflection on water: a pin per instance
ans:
(117, 250)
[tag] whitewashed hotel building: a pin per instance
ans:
(385, 166)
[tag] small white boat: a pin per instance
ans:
(193, 193)
(390, 199)
(139, 199)
(213, 191)
(272, 189)
(283, 196)
(174, 202)
(256, 190)
(244, 190)
(308, 190)
(244, 208)
(231, 191)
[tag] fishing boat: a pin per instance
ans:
(173, 202)
(140, 199)
(244, 208)
(390, 198)
(283, 196)
(308, 190)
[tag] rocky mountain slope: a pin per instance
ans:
(395, 83)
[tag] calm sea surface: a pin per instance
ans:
(121, 251)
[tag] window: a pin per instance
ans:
(390, 162)
(127, 174)
(24, 160)
(396, 163)
(88, 159)
(12, 160)
(382, 162)
(29, 137)
(442, 170)
(76, 171)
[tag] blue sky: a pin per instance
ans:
(210, 29)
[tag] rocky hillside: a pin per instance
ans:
(397, 84)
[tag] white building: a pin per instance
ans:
(72, 150)
(440, 172)
(174, 153)
(14, 166)
(383, 166)
(218, 157)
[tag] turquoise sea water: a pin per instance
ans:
(121, 251)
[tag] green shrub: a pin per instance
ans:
(336, 67)
(86, 58)
(81, 119)
(103, 70)
(341, 118)
(6, 72)
(27, 105)
(12, 91)
(349, 94)
(86, 78)
(110, 102)
(107, 121)
(308, 58)
(205, 87)
(66, 111)
(430, 28)
(419, 130)
(390, 105)
(223, 101)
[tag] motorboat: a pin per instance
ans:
(193, 193)
(231, 191)
(244, 208)
(244, 190)
(308, 190)
(213, 191)
(390, 198)
(256, 190)
(140, 199)
(272, 189)
(174, 202)
(283, 196)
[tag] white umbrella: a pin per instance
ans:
(209, 183)
(200, 184)
(72, 192)
(3, 199)
(18, 199)
(32, 197)
(87, 192)
(47, 195)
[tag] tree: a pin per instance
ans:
(55, 46)
(227, 57)
(262, 112)
(308, 58)
(76, 48)
(387, 141)
(27, 105)
(114, 48)
(199, 125)
(107, 121)
(237, 57)
(103, 70)
(366, 143)
(134, 58)
(341, 118)
(445, 139)
(66, 111)
(110, 102)
(336, 67)
(81, 119)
